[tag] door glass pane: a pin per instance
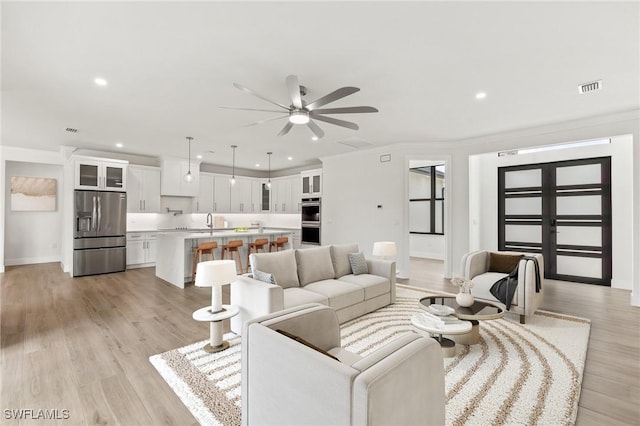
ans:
(579, 235)
(578, 175)
(266, 197)
(439, 216)
(579, 266)
(523, 178)
(579, 205)
(419, 216)
(88, 175)
(316, 183)
(306, 185)
(440, 181)
(524, 233)
(523, 206)
(420, 184)
(114, 177)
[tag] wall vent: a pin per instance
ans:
(71, 130)
(590, 87)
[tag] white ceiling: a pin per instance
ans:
(169, 65)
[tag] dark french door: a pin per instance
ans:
(562, 210)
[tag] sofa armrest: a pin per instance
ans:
(474, 264)
(527, 275)
(254, 298)
(416, 364)
(384, 268)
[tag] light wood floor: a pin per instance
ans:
(611, 385)
(83, 344)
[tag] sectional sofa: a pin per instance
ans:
(314, 275)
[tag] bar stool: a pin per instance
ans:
(198, 252)
(231, 247)
(257, 245)
(278, 243)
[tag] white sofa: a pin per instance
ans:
(476, 266)
(285, 382)
(313, 275)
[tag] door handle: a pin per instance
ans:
(99, 213)
(94, 215)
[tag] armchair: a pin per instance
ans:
(476, 267)
(285, 382)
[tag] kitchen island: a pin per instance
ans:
(175, 249)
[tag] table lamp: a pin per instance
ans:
(215, 274)
(384, 249)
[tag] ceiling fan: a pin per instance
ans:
(303, 112)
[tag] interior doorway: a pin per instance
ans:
(562, 210)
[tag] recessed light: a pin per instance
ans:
(119, 145)
(199, 156)
(314, 138)
(100, 81)
(481, 95)
(289, 158)
(257, 164)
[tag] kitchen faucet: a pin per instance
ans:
(210, 221)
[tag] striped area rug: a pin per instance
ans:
(517, 375)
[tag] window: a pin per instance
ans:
(426, 200)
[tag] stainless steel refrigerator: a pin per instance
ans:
(100, 236)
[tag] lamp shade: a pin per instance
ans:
(384, 248)
(215, 273)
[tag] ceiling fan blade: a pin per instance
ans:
(264, 121)
(315, 129)
(331, 97)
(347, 110)
(252, 109)
(286, 129)
(294, 90)
(342, 123)
(251, 92)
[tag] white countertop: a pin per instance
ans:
(222, 233)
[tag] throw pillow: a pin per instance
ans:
(358, 263)
(280, 264)
(314, 264)
(306, 343)
(503, 263)
(340, 260)
(265, 277)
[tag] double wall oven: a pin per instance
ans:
(311, 208)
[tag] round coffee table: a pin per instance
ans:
(423, 322)
(479, 311)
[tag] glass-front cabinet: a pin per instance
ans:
(100, 175)
(312, 183)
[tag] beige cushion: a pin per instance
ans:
(340, 293)
(340, 260)
(296, 296)
(314, 264)
(373, 285)
(280, 264)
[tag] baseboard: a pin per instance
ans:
(141, 265)
(31, 260)
(427, 255)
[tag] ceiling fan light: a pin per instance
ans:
(299, 117)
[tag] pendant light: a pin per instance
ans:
(269, 181)
(232, 181)
(189, 177)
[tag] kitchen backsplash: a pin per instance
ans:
(153, 221)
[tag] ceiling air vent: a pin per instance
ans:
(70, 130)
(355, 142)
(590, 87)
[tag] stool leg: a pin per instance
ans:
(193, 267)
(239, 261)
(248, 253)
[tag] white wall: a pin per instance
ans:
(483, 194)
(427, 246)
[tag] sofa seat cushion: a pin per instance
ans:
(482, 285)
(340, 293)
(296, 296)
(373, 285)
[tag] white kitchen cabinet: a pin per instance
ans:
(172, 178)
(221, 193)
(241, 195)
(256, 196)
(143, 189)
(101, 175)
(312, 183)
(286, 195)
(296, 195)
(204, 202)
(141, 249)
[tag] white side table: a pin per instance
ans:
(448, 346)
(216, 344)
